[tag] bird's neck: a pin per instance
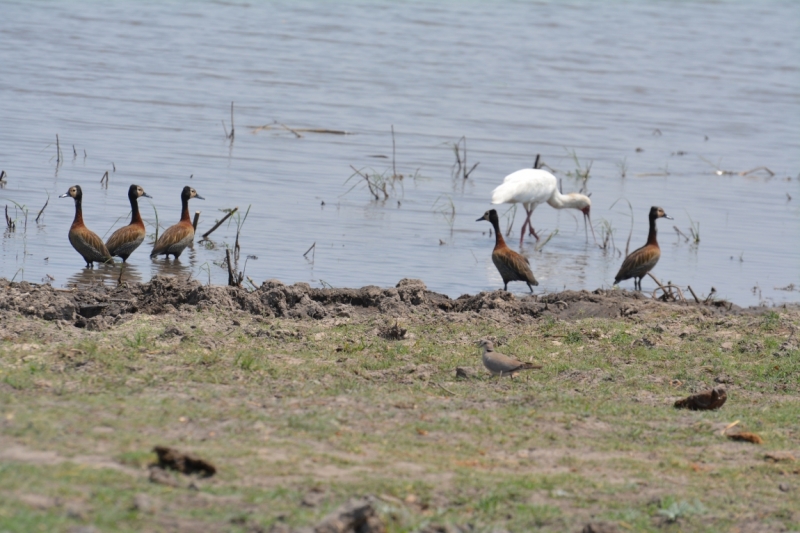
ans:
(651, 237)
(563, 201)
(185, 211)
(78, 220)
(136, 218)
(499, 242)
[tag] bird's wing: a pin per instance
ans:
(529, 185)
(641, 259)
(124, 235)
(171, 235)
(503, 363)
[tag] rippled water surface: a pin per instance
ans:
(668, 93)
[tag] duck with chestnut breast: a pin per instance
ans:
(84, 240)
(176, 238)
(126, 239)
(642, 260)
(511, 265)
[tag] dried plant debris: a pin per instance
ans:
(356, 515)
(704, 401)
(746, 436)
(599, 527)
(185, 463)
(463, 372)
(779, 457)
(393, 332)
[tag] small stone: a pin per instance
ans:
(784, 487)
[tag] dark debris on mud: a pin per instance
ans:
(99, 307)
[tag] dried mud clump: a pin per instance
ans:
(746, 436)
(704, 401)
(185, 463)
(99, 307)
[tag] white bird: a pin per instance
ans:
(533, 186)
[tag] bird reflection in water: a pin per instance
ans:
(175, 266)
(109, 275)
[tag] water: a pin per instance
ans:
(144, 88)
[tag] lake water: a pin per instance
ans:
(668, 92)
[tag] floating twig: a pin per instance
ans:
(536, 161)
(58, 151)
(310, 248)
(751, 171)
(219, 223)
(304, 130)
(196, 219)
(104, 179)
(284, 126)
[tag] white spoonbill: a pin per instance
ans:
(533, 186)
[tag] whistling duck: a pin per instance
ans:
(85, 241)
(512, 266)
(641, 261)
(176, 238)
(531, 187)
(126, 239)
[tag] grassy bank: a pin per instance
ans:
(298, 415)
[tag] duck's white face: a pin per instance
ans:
(72, 192)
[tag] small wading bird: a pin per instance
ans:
(176, 238)
(85, 241)
(642, 261)
(533, 186)
(126, 239)
(512, 266)
(500, 364)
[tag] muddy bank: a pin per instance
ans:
(99, 307)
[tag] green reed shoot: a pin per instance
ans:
(541, 245)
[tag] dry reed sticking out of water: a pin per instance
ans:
(219, 223)
(41, 211)
(460, 167)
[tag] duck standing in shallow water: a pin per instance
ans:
(84, 240)
(511, 265)
(179, 236)
(125, 240)
(642, 260)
